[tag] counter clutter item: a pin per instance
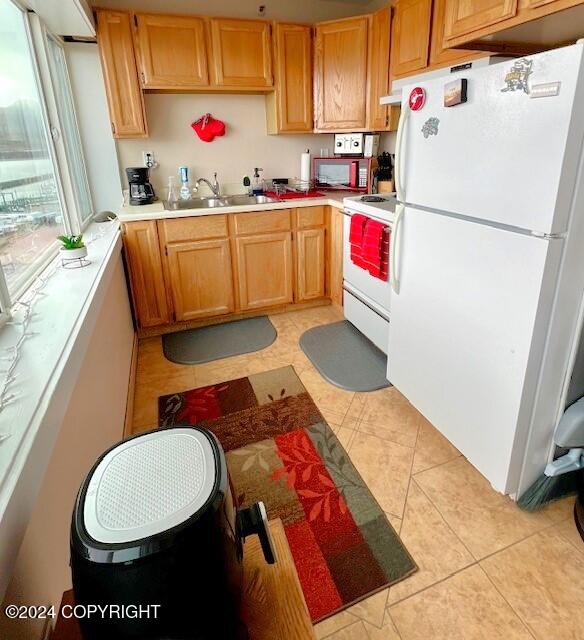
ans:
(273, 605)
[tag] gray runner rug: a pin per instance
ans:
(195, 346)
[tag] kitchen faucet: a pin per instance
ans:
(214, 186)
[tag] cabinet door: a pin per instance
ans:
(264, 265)
(241, 51)
(439, 54)
(335, 251)
(200, 278)
(411, 36)
(379, 44)
(124, 97)
(341, 74)
(145, 266)
(172, 52)
(310, 263)
(289, 108)
(466, 16)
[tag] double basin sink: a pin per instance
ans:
(218, 201)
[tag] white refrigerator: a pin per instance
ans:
(487, 259)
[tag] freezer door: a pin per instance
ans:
(463, 329)
(502, 156)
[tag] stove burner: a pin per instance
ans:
(372, 199)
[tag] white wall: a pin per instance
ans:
(94, 125)
(245, 145)
(93, 422)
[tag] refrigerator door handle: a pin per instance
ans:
(403, 118)
(393, 249)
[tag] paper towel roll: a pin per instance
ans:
(305, 166)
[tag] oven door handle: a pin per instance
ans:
(394, 248)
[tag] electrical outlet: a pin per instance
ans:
(262, 10)
(148, 159)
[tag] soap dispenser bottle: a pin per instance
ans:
(185, 191)
(257, 182)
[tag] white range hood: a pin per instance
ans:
(460, 68)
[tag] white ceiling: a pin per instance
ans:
(297, 10)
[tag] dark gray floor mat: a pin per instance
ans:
(345, 357)
(195, 346)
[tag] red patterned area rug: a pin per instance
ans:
(280, 450)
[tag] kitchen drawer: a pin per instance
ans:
(307, 217)
(368, 321)
(195, 228)
(261, 222)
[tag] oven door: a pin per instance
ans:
(373, 289)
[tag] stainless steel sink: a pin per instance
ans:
(221, 201)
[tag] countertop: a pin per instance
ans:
(156, 211)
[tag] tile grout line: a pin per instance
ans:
(516, 613)
(410, 476)
(471, 554)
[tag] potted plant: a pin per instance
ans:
(73, 247)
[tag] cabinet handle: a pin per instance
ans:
(143, 78)
(113, 128)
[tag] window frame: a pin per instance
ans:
(41, 36)
(36, 34)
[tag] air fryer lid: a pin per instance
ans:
(147, 485)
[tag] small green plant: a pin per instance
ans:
(71, 242)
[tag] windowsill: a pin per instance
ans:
(50, 360)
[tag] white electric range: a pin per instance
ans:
(367, 300)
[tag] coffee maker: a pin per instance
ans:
(141, 191)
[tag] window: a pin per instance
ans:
(68, 127)
(43, 184)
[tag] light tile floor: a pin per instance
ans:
(486, 569)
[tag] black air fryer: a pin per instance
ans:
(155, 524)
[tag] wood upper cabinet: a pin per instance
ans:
(124, 97)
(264, 269)
(466, 16)
(439, 54)
(379, 47)
(410, 36)
(340, 74)
(310, 263)
(289, 107)
(200, 278)
(172, 51)
(144, 263)
(241, 53)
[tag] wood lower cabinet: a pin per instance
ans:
(193, 268)
(340, 74)
(118, 61)
(410, 36)
(466, 16)
(289, 107)
(310, 264)
(264, 270)
(335, 255)
(241, 53)
(144, 263)
(172, 51)
(200, 278)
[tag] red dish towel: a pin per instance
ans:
(375, 249)
(356, 232)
